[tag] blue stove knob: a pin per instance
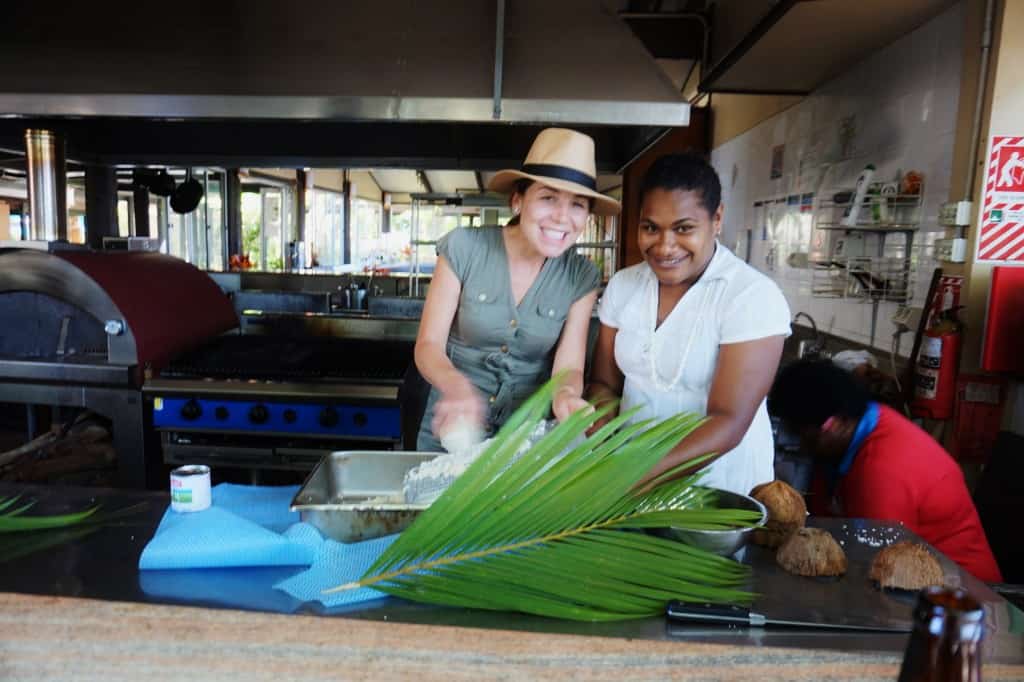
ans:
(329, 417)
(191, 410)
(259, 414)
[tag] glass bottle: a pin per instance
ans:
(945, 645)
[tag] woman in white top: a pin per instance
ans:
(693, 329)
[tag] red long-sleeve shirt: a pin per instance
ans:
(901, 474)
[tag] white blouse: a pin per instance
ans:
(668, 370)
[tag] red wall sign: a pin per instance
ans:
(1001, 239)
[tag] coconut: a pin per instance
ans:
(786, 512)
(907, 566)
(811, 552)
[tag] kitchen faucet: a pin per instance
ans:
(806, 347)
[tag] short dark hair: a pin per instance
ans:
(808, 392)
(688, 172)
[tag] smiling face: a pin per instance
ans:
(550, 219)
(677, 234)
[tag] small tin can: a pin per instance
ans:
(190, 488)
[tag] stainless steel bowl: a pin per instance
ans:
(723, 542)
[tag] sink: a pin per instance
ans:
(395, 306)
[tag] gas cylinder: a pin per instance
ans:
(937, 364)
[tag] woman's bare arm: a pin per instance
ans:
(606, 379)
(571, 356)
(458, 395)
(743, 377)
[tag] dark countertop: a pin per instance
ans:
(100, 563)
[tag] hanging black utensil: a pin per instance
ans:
(161, 184)
(187, 196)
(158, 183)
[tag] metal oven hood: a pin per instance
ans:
(529, 62)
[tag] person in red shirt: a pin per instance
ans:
(880, 465)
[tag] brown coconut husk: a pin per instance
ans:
(811, 552)
(787, 512)
(906, 566)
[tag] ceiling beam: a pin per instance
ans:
(425, 180)
(380, 188)
(762, 27)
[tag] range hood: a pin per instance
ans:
(458, 62)
(792, 47)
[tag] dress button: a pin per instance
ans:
(492, 399)
(512, 323)
(504, 348)
(551, 312)
(482, 297)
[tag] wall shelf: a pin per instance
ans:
(859, 262)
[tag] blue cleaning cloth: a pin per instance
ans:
(266, 505)
(248, 527)
(241, 528)
(250, 587)
(336, 564)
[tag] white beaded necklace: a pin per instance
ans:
(652, 349)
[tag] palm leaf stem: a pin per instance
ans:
(432, 564)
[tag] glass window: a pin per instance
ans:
(325, 229)
(13, 220)
(124, 217)
(154, 217)
(176, 241)
(431, 221)
(395, 243)
(599, 243)
(251, 233)
(213, 202)
(19, 226)
(266, 225)
(273, 223)
(366, 232)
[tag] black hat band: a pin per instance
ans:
(550, 170)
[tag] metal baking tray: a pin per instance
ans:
(341, 497)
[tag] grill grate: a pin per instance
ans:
(282, 359)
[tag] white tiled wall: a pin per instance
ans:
(903, 102)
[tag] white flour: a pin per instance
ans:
(426, 482)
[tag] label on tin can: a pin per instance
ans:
(190, 488)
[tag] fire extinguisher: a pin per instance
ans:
(937, 364)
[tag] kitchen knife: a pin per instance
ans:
(728, 614)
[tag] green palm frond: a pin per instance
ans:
(15, 520)
(554, 536)
(16, 540)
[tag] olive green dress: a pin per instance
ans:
(505, 350)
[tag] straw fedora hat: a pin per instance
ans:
(563, 159)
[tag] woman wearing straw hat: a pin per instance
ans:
(508, 306)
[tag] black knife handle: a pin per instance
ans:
(702, 612)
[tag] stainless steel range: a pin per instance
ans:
(267, 402)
